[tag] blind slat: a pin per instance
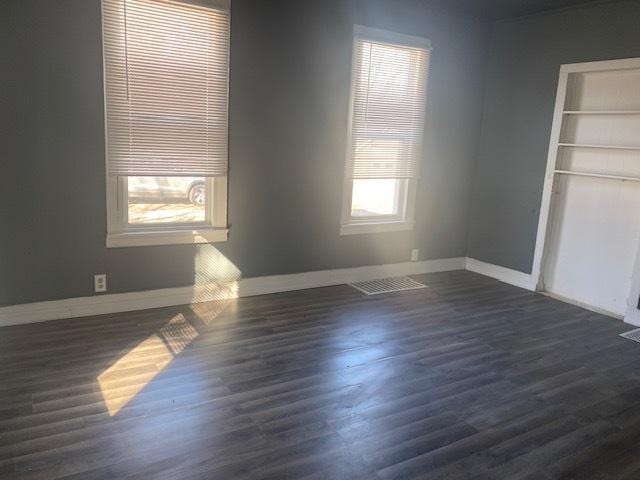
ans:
(389, 87)
(166, 87)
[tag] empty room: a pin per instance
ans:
(320, 239)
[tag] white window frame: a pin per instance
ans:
(405, 220)
(122, 234)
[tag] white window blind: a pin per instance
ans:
(166, 87)
(389, 86)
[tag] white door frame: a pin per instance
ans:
(542, 237)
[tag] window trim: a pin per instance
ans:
(121, 234)
(381, 223)
(350, 225)
(401, 200)
(387, 36)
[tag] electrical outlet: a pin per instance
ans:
(415, 253)
(100, 282)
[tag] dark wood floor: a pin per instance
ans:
(469, 379)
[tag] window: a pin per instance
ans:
(166, 70)
(388, 101)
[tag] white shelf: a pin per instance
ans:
(601, 112)
(611, 147)
(599, 175)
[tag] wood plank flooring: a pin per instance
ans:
(468, 379)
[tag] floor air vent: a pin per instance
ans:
(632, 335)
(386, 285)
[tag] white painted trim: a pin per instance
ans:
(406, 217)
(123, 302)
(549, 177)
(580, 304)
(166, 237)
(527, 281)
(554, 143)
(376, 34)
(213, 229)
(603, 65)
(632, 314)
(504, 274)
(375, 227)
(247, 287)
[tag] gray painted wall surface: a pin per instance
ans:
(290, 72)
(521, 81)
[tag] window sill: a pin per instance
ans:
(379, 227)
(152, 238)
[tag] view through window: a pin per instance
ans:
(166, 200)
(376, 197)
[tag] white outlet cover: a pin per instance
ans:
(100, 282)
(415, 253)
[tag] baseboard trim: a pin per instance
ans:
(526, 281)
(124, 302)
(504, 274)
(247, 287)
(580, 304)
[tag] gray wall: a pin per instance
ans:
(289, 92)
(522, 75)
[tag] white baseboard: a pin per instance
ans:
(506, 275)
(584, 305)
(124, 302)
(526, 281)
(246, 287)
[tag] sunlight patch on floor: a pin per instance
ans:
(178, 334)
(123, 380)
(216, 283)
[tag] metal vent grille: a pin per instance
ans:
(632, 335)
(386, 285)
